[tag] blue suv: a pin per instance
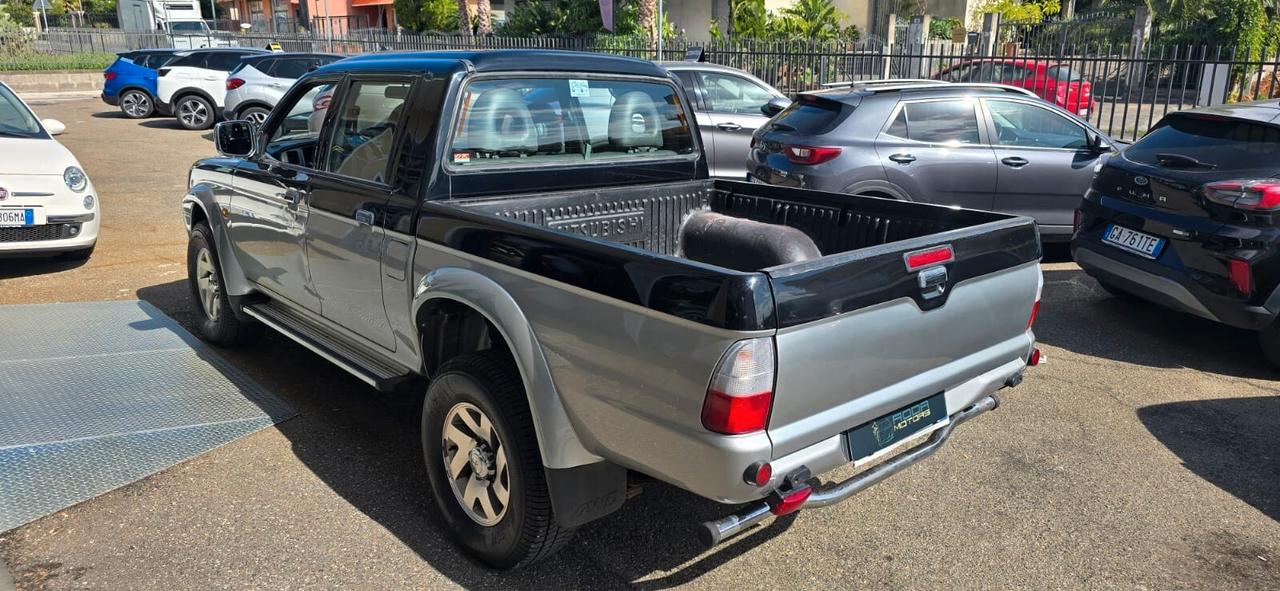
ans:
(130, 81)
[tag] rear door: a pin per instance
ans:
(706, 123)
(736, 104)
(1045, 164)
(213, 80)
(936, 151)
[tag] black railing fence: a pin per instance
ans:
(1131, 87)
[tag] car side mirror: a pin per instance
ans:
(235, 138)
(53, 126)
(775, 106)
(1097, 144)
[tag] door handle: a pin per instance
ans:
(903, 158)
(210, 77)
(729, 126)
(1015, 162)
(294, 197)
(364, 217)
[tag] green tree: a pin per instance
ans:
(749, 18)
(810, 19)
(20, 12)
(1017, 11)
(427, 15)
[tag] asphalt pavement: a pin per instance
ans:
(1144, 454)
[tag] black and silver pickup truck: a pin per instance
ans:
(530, 242)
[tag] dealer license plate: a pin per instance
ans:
(898, 426)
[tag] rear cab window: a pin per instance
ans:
(563, 121)
(1220, 142)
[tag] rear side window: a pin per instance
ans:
(129, 55)
(562, 121)
(1062, 73)
(193, 60)
(812, 115)
(1225, 144)
(155, 60)
(937, 122)
(224, 61)
(292, 68)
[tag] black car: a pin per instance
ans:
(1189, 217)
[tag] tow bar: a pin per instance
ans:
(714, 532)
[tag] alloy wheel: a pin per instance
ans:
(475, 463)
(136, 104)
(207, 284)
(193, 113)
(256, 117)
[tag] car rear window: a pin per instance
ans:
(1062, 73)
(561, 121)
(811, 114)
(1225, 144)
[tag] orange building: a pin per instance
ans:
(337, 16)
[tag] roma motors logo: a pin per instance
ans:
(4, 193)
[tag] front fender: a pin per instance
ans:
(201, 198)
(558, 443)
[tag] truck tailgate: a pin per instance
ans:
(858, 338)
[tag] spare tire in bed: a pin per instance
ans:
(743, 244)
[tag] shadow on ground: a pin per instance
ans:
(1077, 315)
(366, 447)
(1230, 442)
(36, 265)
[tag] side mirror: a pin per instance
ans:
(1097, 144)
(235, 138)
(775, 106)
(53, 126)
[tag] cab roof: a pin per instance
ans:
(497, 60)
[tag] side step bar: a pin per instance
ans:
(714, 532)
(382, 375)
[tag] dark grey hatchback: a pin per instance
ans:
(977, 146)
(1188, 217)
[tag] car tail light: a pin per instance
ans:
(1241, 276)
(810, 154)
(109, 75)
(1245, 194)
(234, 83)
(930, 256)
(1035, 311)
(790, 502)
(741, 391)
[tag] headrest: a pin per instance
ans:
(499, 121)
(634, 122)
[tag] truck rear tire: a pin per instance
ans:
(209, 302)
(482, 459)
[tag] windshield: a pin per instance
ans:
(16, 120)
(1218, 142)
(188, 27)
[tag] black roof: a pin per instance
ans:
(1263, 111)
(499, 60)
(288, 54)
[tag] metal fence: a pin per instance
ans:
(1131, 87)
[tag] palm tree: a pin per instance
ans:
(464, 18)
(647, 15)
(484, 18)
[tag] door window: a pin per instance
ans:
(365, 130)
(727, 93)
(1026, 125)
(690, 86)
(292, 68)
(294, 138)
(937, 122)
(191, 60)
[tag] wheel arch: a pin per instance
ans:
(878, 188)
(247, 103)
(189, 91)
(198, 205)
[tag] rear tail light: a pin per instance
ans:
(809, 154)
(1035, 311)
(234, 83)
(109, 75)
(1245, 194)
(1241, 276)
(741, 391)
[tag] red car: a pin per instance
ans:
(1051, 81)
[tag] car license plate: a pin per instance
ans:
(870, 438)
(1133, 241)
(17, 217)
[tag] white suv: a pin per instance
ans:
(261, 80)
(193, 84)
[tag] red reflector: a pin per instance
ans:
(1034, 360)
(109, 75)
(1241, 276)
(1035, 311)
(933, 256)
(759, 473)
(234, 83)
(791, 502)
(734, 415)
(809, 154)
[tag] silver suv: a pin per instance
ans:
(259, 82)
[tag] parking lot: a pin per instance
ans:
(1144, 454)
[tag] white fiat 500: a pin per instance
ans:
(47, 204)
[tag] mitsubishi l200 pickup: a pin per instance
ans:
(529, 241)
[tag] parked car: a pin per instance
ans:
(47, 203)
(257, 84)
(193, 85)
(1052, 81)
(576, 289)
(130, 81)
(1186, 218)
(195, 34)
(729, 105)
(978, 146)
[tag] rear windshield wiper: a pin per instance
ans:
(1183, 161)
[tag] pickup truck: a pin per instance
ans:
(529, 241)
